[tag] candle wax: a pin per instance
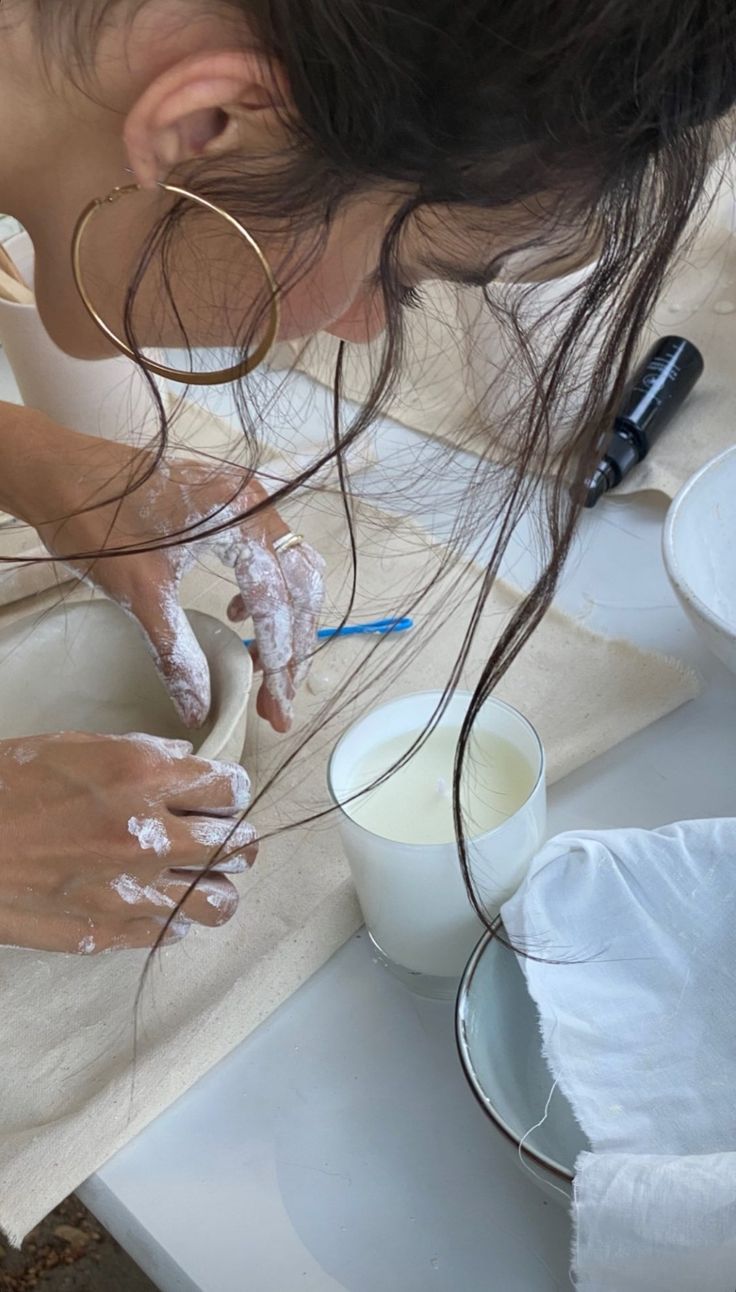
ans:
(414, 805)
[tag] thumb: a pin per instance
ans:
(178, 656)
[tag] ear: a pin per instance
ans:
(207, 104)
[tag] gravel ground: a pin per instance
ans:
(70, 1251)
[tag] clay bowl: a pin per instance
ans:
(699, 547)
(85, 667)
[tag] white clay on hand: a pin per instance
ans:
(282, 594)
(304, 574)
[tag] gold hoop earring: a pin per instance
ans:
(224, 375)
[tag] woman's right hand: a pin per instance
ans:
(101, 836)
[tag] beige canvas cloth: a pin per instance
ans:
(457, 355)
(66, 1035)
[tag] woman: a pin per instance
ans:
(366, 148)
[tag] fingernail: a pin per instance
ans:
(222, 899)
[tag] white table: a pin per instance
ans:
(338, 1148)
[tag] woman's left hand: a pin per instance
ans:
(281, 591)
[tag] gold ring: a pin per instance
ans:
(287, 541)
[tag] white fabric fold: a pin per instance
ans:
(647, 1222)
(632, 965)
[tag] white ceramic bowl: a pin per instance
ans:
(699, 547)
(85, 667)
(500, 1049)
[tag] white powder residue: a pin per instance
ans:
(215, 834)
(227, 546)
(159, 745)
(24, 753)
(239, 781)
(129, 888)
(304, 571)
(180, 662)
(87, 945)
(263, 589)
(283, 596)
(185, 670)
(158, 898)
(133, 891)
(150, 833)
(219, 900)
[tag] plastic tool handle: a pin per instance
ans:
(355, 630)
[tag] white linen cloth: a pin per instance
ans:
(634, 978)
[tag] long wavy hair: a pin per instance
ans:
(610, 109)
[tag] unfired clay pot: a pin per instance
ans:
(85, 667)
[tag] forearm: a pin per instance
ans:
(48, 471)
(24, 451)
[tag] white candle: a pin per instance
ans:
(399, 837)
(415, 804)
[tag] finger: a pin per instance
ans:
(228, 866)
(212, 902)
(266, 597)
(304, 574)
(266, 707)
(178, 656)
(209, 787)
(192, 842)
(235, 839)
(271, 711)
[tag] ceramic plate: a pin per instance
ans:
(500, 1049)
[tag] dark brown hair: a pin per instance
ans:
(609, 108)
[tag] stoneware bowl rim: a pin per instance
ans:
(669, 547)
(484, 1099)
